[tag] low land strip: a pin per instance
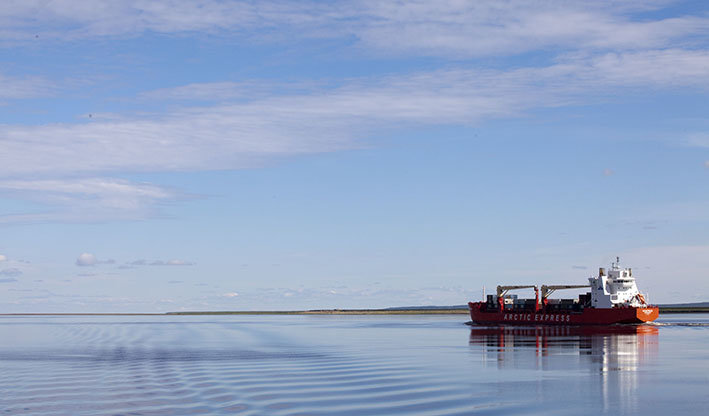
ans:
(335, 312)
(683, 309)
(391, 311)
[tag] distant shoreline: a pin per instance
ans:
(394, 311)
(305, 312)
(336, 312)
(684, 309)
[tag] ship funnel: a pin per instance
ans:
(601, 271)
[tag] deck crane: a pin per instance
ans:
(549, 289)
(502, 291)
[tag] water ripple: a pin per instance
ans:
(157, 369)
(341, 366)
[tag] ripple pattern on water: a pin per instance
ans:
(164, 368)
(343, 365)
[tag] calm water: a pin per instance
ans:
(347, 365)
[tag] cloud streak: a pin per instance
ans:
(698, 140)
(88, 259)
(443, 28)
(245, 134)
(592, 51)
(505, 28)
(86, 200)
(173, 262)
(27, 87)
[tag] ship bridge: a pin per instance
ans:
(615, 288)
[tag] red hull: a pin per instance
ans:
(588, 316)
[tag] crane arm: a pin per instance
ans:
(549, 289)
(502, 290)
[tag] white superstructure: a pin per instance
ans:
(615, 288)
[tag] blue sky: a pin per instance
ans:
(213, 155)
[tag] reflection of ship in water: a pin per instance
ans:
(612, 353)
(615, 347)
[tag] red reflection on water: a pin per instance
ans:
(630, 340)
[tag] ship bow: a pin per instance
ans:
(647, 314)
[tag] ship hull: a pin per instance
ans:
(588, 316)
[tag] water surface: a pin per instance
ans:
(347, 365)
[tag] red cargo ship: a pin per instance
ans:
(614, 299)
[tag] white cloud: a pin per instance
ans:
(86, 259)
(503, 28)
(665, 68)
(68, 20)
(178, 263)
(245, 134)
(170, 263)
(213, 91)
(85, 200)
(174, 262)
(698, 140)
(417, 27)
(27, 87)
(230, 295)
(3, 257)
(224, 137)
(594, 49)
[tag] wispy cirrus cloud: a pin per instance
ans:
(67, 20)
(591, 51)
(85, 200)
(504, 28)
(89, 260)
(245, 134)
(227, 91)
(698, 139)
(173, 262)
(420, 27)
(25, 87)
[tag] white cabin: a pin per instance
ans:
(615, 289)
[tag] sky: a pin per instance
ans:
(172, 155)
